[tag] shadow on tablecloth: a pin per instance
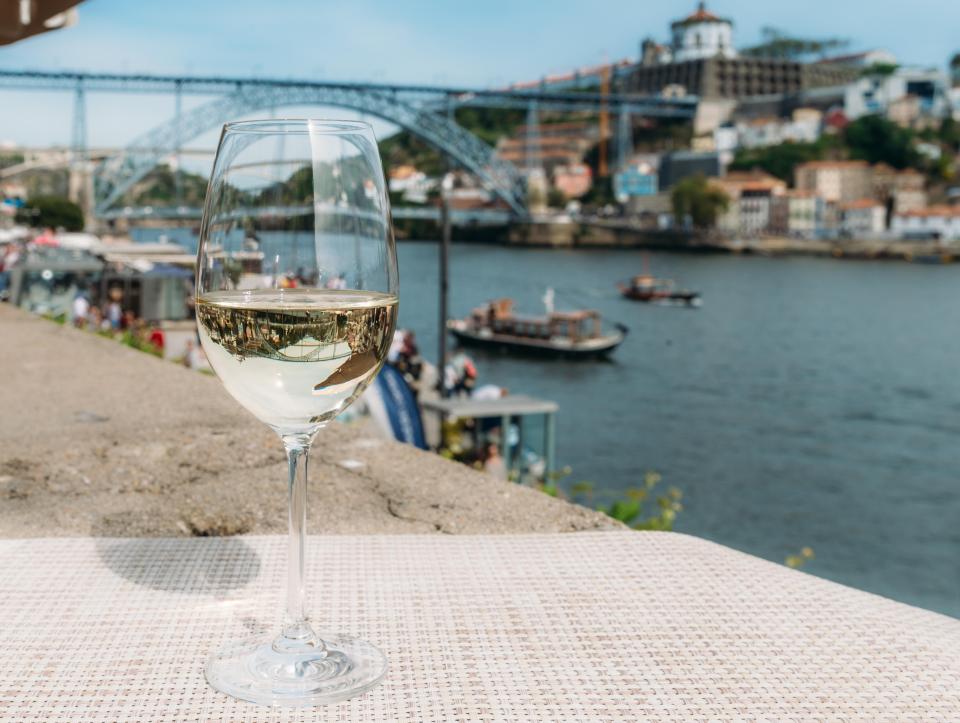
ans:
(181, 565)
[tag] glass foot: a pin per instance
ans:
(298, 672)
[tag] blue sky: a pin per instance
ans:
(443, 42)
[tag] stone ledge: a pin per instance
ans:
(98, 439)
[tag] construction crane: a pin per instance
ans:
(604, 121)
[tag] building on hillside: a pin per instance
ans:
(934, 222)
(414, 185)
(635, 180)
(701, 35)
(702, 59)
(860, 61)
(574, 180)
(552, 145)
(836, 181)
(803, 126)
(864, 217)
(651, 212)
(751, 195)
(908, 96)
(799, 214)
(905, 111)
(677, 165)
(899, 191)
(13, 189)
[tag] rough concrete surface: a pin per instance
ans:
(99, 439)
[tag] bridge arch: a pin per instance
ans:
(117, 174)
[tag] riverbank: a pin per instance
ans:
(615, 235)
(603, 234)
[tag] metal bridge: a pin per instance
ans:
(425, 111)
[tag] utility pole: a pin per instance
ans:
(80, 181)
(602, 170)
(178, 115)
(445, 187)
(79, 123)
(534, 163)
(624, 140)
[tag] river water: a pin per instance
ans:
(809, 402)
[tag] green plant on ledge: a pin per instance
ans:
(799, 560)
(630, 511)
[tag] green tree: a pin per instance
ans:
(695, 198)
(777, 44)
(51, 212)
(158, 188)
(556, 198)
(10, 159)
(600, 193)
(949, 133)
(779, 160)
(875, 139)
(879, 70)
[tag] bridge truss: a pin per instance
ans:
(426, 111)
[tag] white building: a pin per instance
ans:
(799, 214)
(701, 35)
(865, 59)
(414, 185)
(802, 127)
(934, 222)
(864, 217)
(877, 93)
(752, 196)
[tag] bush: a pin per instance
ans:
(51, 212)
(696, 199)
(875, 139)
(556, 198)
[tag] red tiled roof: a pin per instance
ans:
(834, 164)
(931, 211)
(701, 15)
(751, 176)
(861, 203)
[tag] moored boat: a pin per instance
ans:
(557, 333)
(651, 289)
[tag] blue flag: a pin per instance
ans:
(400, 407)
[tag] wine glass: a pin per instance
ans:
(296, 308)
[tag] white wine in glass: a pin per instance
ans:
(297, 294)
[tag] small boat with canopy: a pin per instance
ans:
(576, 333)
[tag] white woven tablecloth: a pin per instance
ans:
(585, 626)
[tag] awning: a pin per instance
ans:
(20, 19)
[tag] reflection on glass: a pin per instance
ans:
(296, 307)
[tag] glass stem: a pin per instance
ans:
(297, 630)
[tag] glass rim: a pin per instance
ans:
(327, 126)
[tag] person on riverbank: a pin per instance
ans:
(493, 463)
(95, 320)
(114, 314)
(460, 375)
(79, 309)
(157, 338)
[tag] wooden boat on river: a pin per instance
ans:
(651, 289)
(647, 287)
(557, 333)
